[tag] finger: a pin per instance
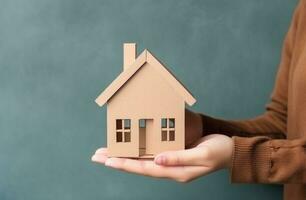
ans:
(194, 157)
(143, 167)
(102, 150)
(149, 168)
(100, 156)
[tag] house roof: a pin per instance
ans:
(124, 76)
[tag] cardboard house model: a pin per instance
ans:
(145, 108)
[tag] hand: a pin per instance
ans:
(212, 152)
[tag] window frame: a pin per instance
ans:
(123, 130)
(168, 129)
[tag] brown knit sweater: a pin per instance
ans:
(271, 148)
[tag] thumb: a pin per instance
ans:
(197, 156)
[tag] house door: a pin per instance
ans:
(146, 142)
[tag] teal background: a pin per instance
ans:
(56, 56)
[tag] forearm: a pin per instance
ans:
(260, 126)
(193, 127)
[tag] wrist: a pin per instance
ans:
(229, 162)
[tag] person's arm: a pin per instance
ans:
(268, 157)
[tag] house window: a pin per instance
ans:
(123, 130)
(167, 129)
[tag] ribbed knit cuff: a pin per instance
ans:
(251, 161)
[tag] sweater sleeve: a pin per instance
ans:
(264, 160)
(261, 152)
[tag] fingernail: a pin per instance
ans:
(160, 160)
(100, 151)
(98, 158)
(94, 158)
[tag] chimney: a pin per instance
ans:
(129, 54)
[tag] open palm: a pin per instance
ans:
(211, 153)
